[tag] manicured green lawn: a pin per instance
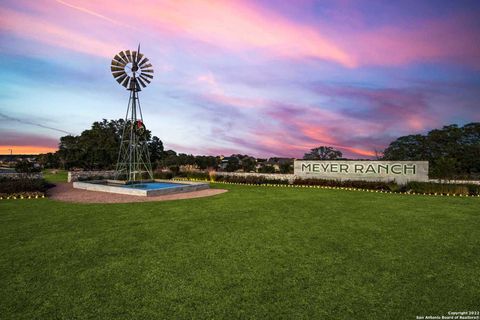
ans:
(254, 252)
(55, 175)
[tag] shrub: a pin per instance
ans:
(473, 190)
(10, 186)
(199, 175)
(286, 168)
(241, 179)
(174, 169)
(276, 181)
(442, 188)
(163, 175)
(267, 169)
(26, 167)
(372, 185)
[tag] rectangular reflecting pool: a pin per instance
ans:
(153, 185)
(146, 189)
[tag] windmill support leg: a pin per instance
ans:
(133, 158)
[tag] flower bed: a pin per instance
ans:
(25, 188)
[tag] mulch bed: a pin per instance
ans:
(65, 192)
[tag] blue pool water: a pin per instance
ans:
(153, 185)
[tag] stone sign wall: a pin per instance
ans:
(85, 175)
(400, 171)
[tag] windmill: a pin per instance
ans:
(132, 70)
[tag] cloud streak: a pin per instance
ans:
(53, 34)
(32, 123)
(90, 12)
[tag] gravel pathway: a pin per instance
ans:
(65, 192)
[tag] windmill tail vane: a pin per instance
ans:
(133, 70)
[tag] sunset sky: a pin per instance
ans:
(265, 78)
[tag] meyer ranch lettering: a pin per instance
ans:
(400, 171)
(366, 168)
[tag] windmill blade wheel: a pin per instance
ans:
(131, 69)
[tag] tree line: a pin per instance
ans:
(452, 151)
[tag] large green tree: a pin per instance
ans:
(49, 160)
(205, 162)
(233, 164)
(155, 148)
(452, 151)
(97, 147)
(248, 164)
(323, 153)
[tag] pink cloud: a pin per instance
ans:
(242, 26)
(236, 25)
(92, 13)
(399, 110)
(454, 38)
(284, 130)
(239, 102)
(22, 143)
(54, 34)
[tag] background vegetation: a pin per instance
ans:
(452, 152)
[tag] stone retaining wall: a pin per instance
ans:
(84, 175)
(272, 176)
(16, 175)
(477, 182)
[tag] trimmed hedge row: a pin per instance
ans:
(248, 180)
(443, 188)
(201, 175)
(370, 185)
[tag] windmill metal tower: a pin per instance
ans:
(132, 70)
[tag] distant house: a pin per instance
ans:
(260, 163)
(10, 160)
